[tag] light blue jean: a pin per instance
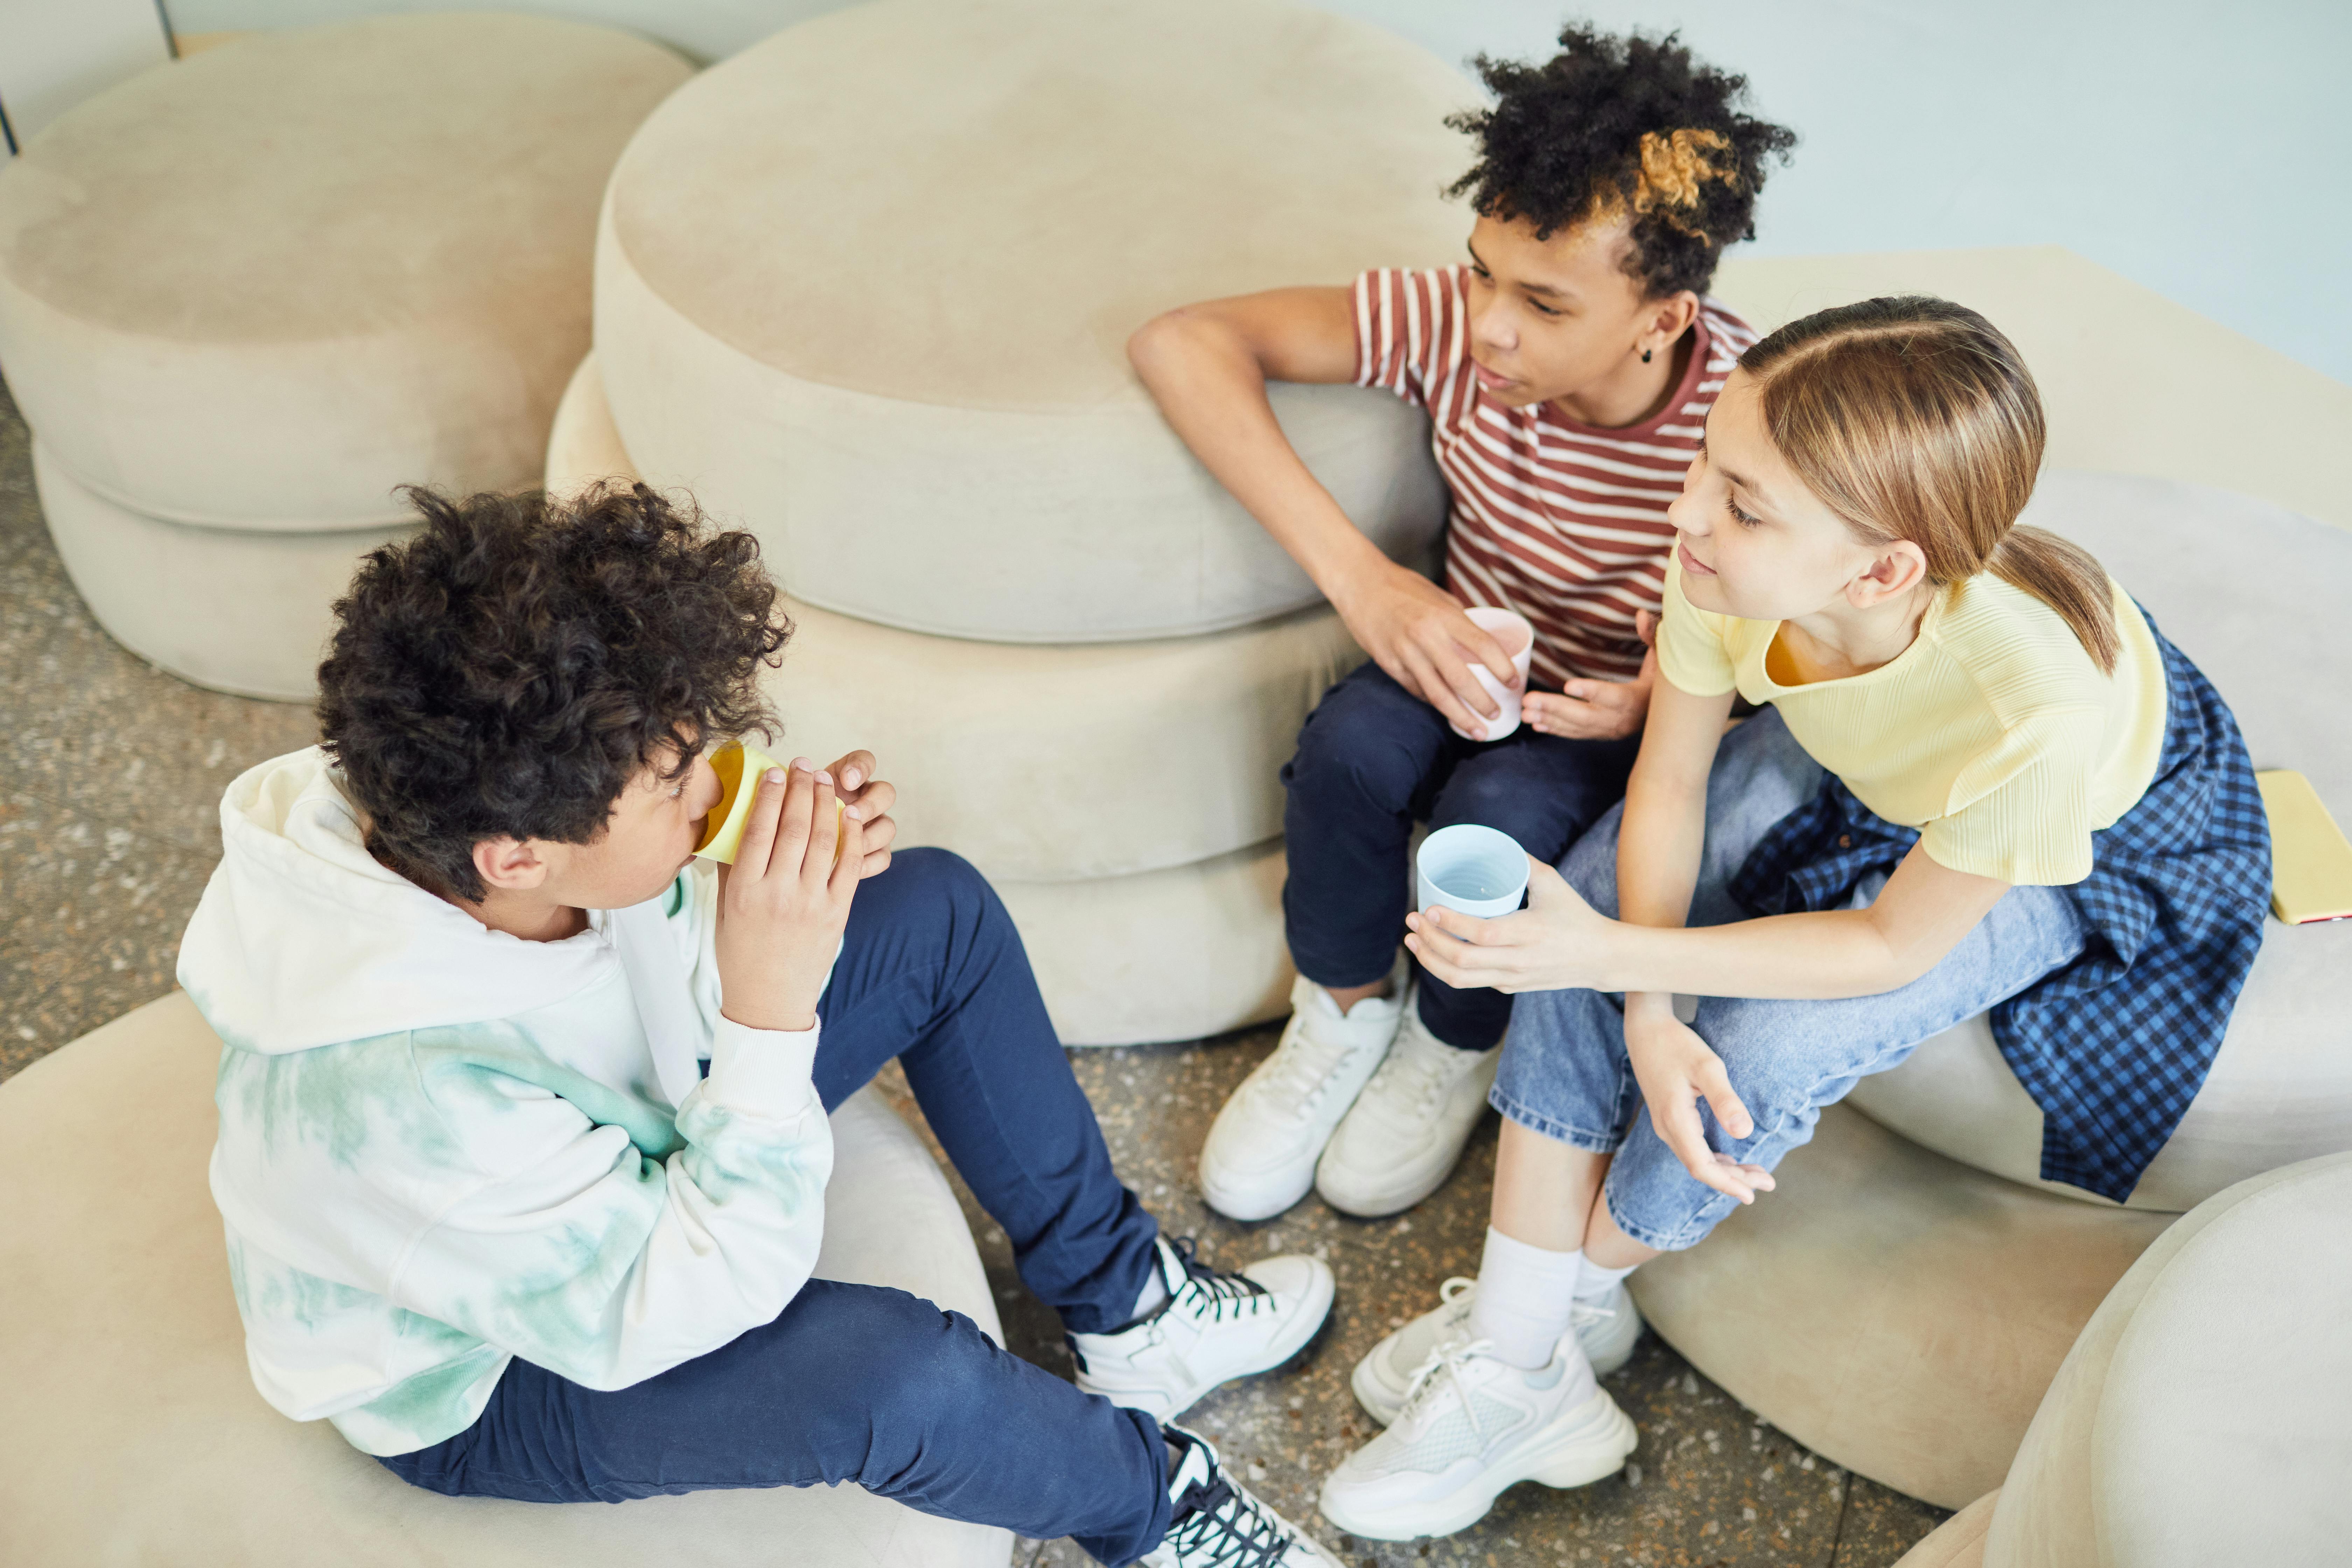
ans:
(1564, 1071)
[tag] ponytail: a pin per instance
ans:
(1914, 418)
(2069, 579)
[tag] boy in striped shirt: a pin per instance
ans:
(1566, 369)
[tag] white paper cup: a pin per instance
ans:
(1515, 632)
(1475, 869)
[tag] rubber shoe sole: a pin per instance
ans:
(1581, 1447)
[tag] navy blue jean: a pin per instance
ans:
(858, 1382)
(1372, 760)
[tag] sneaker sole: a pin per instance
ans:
(1381, 1205)
(1297, 1337)
(1234, 1206)
(1594, 1445)
(1381, 1402)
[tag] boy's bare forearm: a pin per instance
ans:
(1210, 384)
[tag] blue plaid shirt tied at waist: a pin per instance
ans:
(2114, 1045)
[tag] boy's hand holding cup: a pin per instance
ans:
(794, 849)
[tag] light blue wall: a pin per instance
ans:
(2202, 149)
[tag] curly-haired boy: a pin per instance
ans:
(1566, 370)
(523, 1139)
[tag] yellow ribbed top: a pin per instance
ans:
(1993, 734)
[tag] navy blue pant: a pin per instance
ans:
(1372, 760)
(857, 1382)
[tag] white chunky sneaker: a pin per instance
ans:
(1260, 1154)
(1472, 1427)
(1400, 1140)
(1214, 1327)
(1217, 1523)
(1606, 1333)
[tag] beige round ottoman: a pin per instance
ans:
(885, 328)
(1893, 1311)
(2200, 1419)
(244, 295)
(134, 1434)
(1959, 1542)
(2271, 639)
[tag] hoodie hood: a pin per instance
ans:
(302, 939)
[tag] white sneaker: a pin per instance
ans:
(1472, 1427)
(1606, 1333)
(1399, 1142)
(1260, 1154)
(1214, 1327)
(1218, 1523)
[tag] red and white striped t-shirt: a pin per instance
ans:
(1564, 522)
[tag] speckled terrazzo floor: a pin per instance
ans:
(113, 772)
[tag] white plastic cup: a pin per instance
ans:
(1514, 632)
(1477, 870)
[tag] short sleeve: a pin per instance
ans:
(1693, 651)
(2026, 813)
(1410, 330)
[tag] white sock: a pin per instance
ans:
(1524, 1297)
(1595, 1283)
(1155, 1292)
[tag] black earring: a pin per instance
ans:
(1645, 356)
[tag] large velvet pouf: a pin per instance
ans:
(2198, 1418)
(245, 295)
(134, 1434)
(866, 287)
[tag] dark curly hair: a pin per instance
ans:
(510, 668)
(1616, 128)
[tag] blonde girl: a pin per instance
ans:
(1981, 780)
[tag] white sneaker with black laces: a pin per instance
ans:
(1214, 1327)
(1217, 1523)
(1401, 1138)
(1606, 1331)
(1259, 1157)
(1472, 1427)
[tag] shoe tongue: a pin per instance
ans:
(1192, 1485)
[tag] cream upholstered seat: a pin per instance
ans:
(1123, 798)
(1922, 1301)
(2199, 1419)
(1892, 1309)
(866, 287)
(244, 295)
(134, 1434)
(2255, 595)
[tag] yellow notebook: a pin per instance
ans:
(2311, 864)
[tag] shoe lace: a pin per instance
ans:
(1216, 1291)
(1583, 1313)
(1228, 1527)
(1431, 1076)
(1442, 1368)
(1303, 1068)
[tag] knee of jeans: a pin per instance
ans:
(1501, 798)
(909, 1359)
(1349, 751)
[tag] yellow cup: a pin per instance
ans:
(740, 769)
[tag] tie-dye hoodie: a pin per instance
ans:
(442, 1147)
